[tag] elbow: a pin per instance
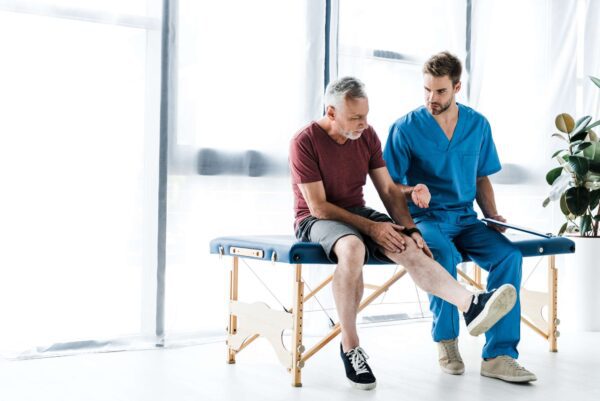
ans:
(319, 211)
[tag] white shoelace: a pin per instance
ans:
(358, 358)
(514, 364)
(452, 352)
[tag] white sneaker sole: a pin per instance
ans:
(496, 308)
(452, 371)
(511, 379)
(363, 386)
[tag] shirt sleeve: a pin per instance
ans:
(376, 159)
(304, 165)
(489, 163)
(397, 154)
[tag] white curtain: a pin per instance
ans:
(591, 58)
(78, 166)
(249, 76)
(524, 74)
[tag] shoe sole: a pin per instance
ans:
(363, 386)
(452, 372)
(511, 379)
(496, 308)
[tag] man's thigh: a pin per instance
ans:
(438, 237)
(484, 245)
(328, 232)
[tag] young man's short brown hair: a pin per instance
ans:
(442, 64)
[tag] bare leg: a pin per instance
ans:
(430, 276)
(348, 286)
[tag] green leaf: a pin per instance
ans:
(594, 167)
(593, 152)
(597, 217)
(579, 137)
(596, 81)
(564, 122)
(578, 200)
(557, 153)
(593, 125)
(563, 205)
(574, 143)
(580, 165)
(561, 137)
(580, 147)
(594, 198)
(553, 174)
(581, 125)
(562, 230)
(585, 224)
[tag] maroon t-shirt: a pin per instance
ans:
(315, 156)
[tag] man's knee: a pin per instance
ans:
(350, 251)
(411, 255)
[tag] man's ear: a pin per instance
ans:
(330, 112)
(457, 87)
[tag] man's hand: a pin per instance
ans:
(421, 244)
(420, 196)
(387, 235)
(500, 229)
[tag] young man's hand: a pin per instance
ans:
(498, 217)
(387, 235)
(420, 196)
(422, 244)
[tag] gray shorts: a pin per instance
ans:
(328, 232)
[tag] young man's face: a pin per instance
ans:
(351, 118)
(439, 93)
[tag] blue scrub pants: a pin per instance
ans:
(452, 233)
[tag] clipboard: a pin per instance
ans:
(513, 227)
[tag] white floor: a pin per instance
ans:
(402, 356)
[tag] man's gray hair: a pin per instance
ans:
(344, 88)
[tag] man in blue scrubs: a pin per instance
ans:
(442, 154)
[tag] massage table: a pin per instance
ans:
(248, 321)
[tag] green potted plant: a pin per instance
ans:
(576, 186)
(576, 182)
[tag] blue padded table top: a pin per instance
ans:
(287, 249)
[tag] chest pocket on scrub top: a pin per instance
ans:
(468, 166)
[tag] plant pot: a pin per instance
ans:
(579, 302)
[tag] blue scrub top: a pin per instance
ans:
(418, 151)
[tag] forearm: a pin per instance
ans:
(485, 197)
(397, 206)
(406, 190)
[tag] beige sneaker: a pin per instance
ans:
(449, 357)
(507, 369)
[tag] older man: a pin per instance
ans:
(449, 147)
(330, 160)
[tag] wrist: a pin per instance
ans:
(409, 231)
(370, 228)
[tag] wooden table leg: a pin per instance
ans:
(297, 347)
(552, 304)
(233, 296)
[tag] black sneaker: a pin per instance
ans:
(358, 371)
(489, 307)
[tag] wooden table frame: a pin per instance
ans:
(259, 320)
